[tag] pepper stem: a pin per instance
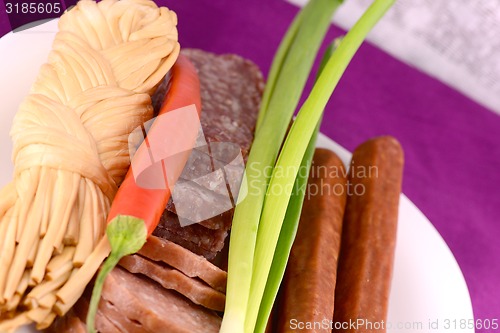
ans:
(126, 235)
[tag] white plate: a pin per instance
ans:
(427, 285)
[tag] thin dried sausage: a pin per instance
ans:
(307, 295)
(369, 237)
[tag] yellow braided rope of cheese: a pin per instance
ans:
(71, 153)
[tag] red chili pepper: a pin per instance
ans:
(136, 209)
(149, 204)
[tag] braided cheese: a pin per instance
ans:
(70, 153)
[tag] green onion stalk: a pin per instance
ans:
(291, 222)
(294, 59)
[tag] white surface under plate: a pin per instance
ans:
(427, 284)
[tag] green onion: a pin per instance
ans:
(291, 222)
(292, 154)
(294, 60)
(286, 238)
(295, 56)
(276, 66)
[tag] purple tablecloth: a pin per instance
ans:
(452, 144)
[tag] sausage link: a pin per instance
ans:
(307, 294)
(369, 236)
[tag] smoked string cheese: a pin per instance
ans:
(71, 153)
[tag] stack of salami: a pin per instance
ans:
(231, 89)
